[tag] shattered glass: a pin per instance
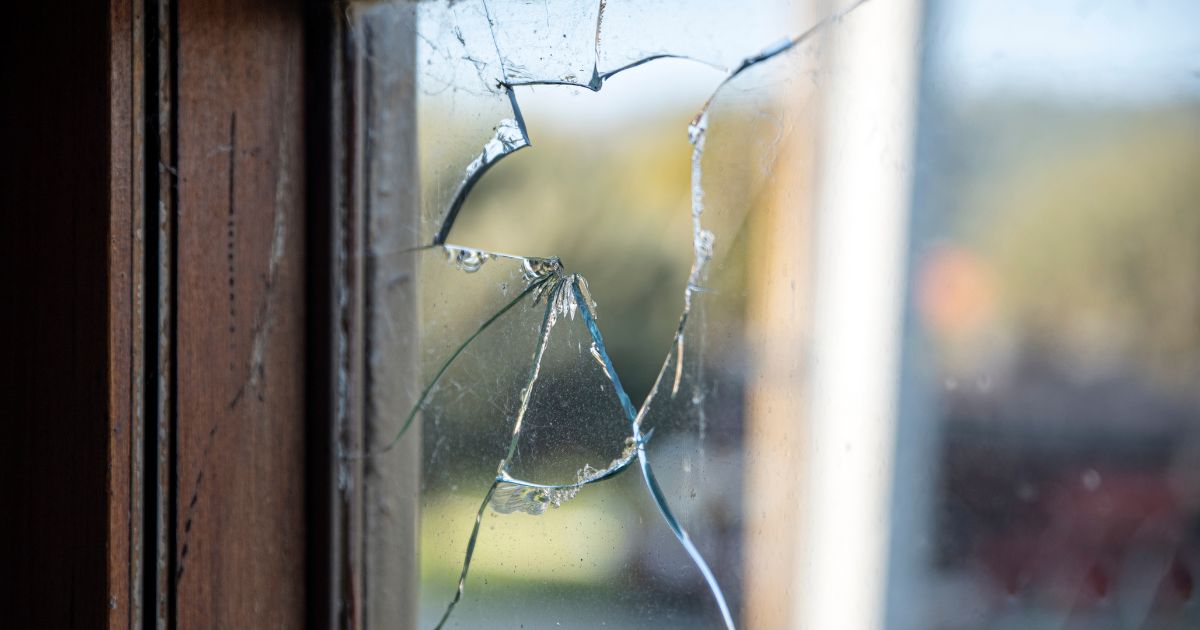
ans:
(606, 378)
(565, 474)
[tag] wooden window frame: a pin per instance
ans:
(168, 459)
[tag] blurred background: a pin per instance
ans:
(946, 368)
(1055, 292)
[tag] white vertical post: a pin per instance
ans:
(861, 210)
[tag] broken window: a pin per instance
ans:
(567, 234)
(633, 284)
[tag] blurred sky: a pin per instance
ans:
(1117, 51)
(1111, 50)
(668, 87)
(634, 30)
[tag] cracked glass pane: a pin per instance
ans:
(658, 326)
(568, 473)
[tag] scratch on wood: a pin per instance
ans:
(265, 318)
(191, 509)
(230, 223)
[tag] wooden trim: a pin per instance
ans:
(240, 339)
(376, 201)
(126, 290)
(160, 246)
(68, 472)
(154, 457)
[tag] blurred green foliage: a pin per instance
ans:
(1091, 218)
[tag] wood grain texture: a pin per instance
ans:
(126, 289)
(67, 481)
(73, 383)
(382, 207)
(240, 345)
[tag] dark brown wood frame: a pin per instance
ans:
(167, 456)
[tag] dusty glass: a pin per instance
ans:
(861, 314)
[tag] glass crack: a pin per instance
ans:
(566, 296)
